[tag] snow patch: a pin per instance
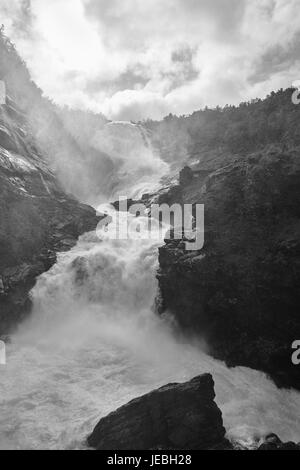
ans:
(15, 163)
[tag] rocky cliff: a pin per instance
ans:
(176, 416)
(37, 217)
(241, 291)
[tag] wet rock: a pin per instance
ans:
(272, 442)
(176, 416)
(2, 290)
(241, 291)
(186, 176)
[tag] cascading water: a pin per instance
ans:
(113, 158)
(93, 342)
(141, 169)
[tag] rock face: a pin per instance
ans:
(176, 416)
(37, 218)
(241, 291)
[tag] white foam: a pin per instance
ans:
(93, 343)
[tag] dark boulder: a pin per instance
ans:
(176, 416)
(272, 442)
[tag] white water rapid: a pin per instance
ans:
(93, 342)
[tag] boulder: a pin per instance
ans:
(272, 442)
(175, 416)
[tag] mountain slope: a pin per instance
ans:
(37, 217)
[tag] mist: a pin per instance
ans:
(93, 342)
(110, 100)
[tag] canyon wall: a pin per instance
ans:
(241, 291)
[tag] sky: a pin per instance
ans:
(139, 59)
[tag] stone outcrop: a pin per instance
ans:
(37, 218)
(176, 416)
(241, 291)
(272, 442)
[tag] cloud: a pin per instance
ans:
(17, 16)
(132, 59)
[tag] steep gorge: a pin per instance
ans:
(93, 331)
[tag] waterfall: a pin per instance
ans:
(93, 342)
(137, 168)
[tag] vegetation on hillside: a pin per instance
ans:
(236, 129)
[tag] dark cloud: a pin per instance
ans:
(129, 80)
(22, 20)
(276, 59)
(132, 59)
(184, 70)
(134, 20)
(226, 15)
(183, 55)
